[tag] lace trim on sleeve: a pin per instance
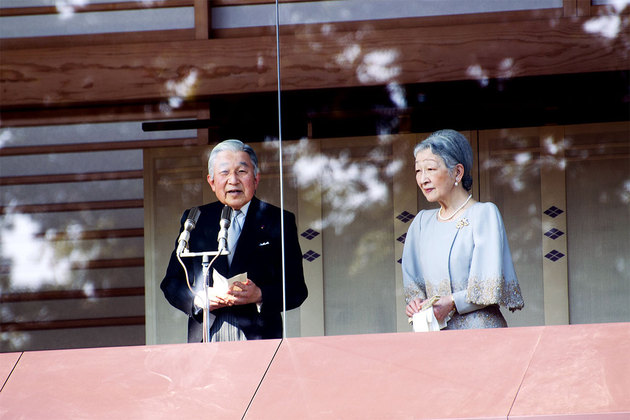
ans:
(493, 291)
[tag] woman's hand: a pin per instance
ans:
(443, 307)
(414, 306)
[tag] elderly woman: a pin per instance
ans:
(457, 254)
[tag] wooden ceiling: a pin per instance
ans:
(100, 70)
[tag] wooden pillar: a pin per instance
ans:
(203, 19)
(203, 29)
(554, 226)
(312, 321)
(583, 7)
(570, 8)
(203, 134)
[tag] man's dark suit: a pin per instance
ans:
(258, 253)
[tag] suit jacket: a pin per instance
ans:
(258, 252)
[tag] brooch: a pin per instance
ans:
(461, 223)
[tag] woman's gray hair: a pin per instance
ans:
(453, 148)
(232, 145)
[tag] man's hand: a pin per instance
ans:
(243, 293)
(215, 300)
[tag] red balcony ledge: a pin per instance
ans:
(554, 372)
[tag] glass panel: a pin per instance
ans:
(358, 253)
(176, 180)
(72, 235)
(363, 82)
(598, 185)
(356, 76)
(510, 177)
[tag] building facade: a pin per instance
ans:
(109, 107)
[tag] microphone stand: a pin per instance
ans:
(206, 263)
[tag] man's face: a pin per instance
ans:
(234, 182)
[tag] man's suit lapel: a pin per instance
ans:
(247, 239)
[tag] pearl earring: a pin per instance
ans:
(456, 183)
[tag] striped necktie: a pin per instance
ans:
(234, 232)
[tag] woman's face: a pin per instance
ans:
(433, 177)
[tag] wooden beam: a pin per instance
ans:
(94, 147)
(72, 323)
(70, 294)
(96, 234)
(198, 69)
(93, 234)
(95, 7)
(79, 177)
(80, 206)
(114, 38)
(109, 263)
(104, 263)
(496, 50)
(251, 2)
(86, 115)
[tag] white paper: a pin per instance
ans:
(223, 284)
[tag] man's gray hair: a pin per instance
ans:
(232, 145)
(453, 148)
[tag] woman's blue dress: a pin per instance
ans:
(467, 257)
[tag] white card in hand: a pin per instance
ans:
(223, 284)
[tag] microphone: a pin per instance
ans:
(189, 225)
(226, 215)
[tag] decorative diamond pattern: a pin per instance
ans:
(553, 211)
(402, 238)
(554, 233)
(309, 234)
(554, 255)
(311, 256)
(405, 216)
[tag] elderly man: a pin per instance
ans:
(250, 309)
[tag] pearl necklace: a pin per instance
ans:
(455, 212)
